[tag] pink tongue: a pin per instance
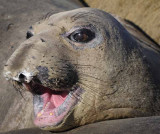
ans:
(57, 100)
(54, 99)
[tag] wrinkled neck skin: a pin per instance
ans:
(114, 71)
(125, 87)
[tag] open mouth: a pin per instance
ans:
(51, 106)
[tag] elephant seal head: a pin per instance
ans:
(83, 66)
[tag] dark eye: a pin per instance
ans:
(28, 35)
(82, 36)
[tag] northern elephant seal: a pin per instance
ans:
(83, 66)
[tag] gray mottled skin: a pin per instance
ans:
(132, 78)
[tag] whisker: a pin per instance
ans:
(95, 82)
(21, 94)
(92, 89)
(18, 88)
(80, 99)
(83, 74)
(62, 60)
(95, 90)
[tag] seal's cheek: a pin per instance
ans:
(90, 109)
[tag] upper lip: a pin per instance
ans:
(35, 88)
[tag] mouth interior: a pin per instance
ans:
(50, 106)
(52, 99)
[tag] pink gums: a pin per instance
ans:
(55, 100)
(46, 116)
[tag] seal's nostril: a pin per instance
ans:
(22, 77)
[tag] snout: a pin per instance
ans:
(43, 60)
(21, 65)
